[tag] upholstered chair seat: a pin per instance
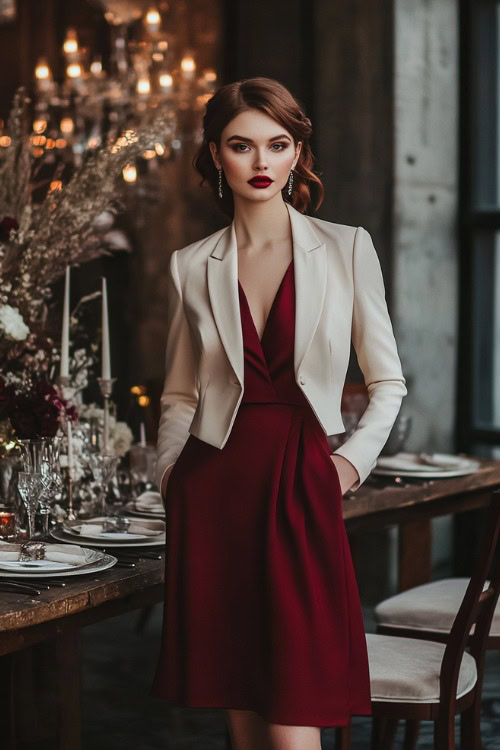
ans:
(431, 607)
(407, 670)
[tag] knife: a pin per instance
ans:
(26, 582)
(46, 582)
(20, 588)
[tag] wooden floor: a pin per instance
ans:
(118, 666)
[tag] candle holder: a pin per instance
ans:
(71, 512)
(106, 386)
(68, 392)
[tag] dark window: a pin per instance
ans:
(479, 223)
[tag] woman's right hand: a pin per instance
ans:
(164, 481)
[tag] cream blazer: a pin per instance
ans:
(339, 296)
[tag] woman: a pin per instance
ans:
(262, 614)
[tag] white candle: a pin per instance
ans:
(143, 435)
(65, 329)
(70, 449)
(106, 359)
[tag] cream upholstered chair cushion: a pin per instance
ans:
(407, 669)
(432, 607)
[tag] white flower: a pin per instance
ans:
(90, 411)
(12, 323)
(122, 438)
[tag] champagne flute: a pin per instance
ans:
(103, 466)
(53, 483)
(50, 470)
(30, 486)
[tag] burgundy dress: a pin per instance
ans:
(261, 608)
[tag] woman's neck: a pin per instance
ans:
(261, 224)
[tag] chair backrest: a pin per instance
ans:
(478, 606)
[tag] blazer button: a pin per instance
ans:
(302, 380)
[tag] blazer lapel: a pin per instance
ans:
(310, 287)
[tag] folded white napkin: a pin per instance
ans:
(65, 553)
(150, 501)
(148, 527)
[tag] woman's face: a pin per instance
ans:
(254, 144)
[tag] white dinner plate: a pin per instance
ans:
(48, 565)
(146, 513)
(64, 536)
(73, 528)
(405, 464)
(100, 561)
(117, 536)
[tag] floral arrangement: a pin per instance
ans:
(39, 239)
(34, 409)
(68, 224)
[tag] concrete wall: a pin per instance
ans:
(425, 248)
(425, 253)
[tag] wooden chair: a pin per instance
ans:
(417, 678)
(428, 612)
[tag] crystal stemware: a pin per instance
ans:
(41, 456)
(30, 486)
(53, 484)
(51, 470)
(103, 466)
(32, 453)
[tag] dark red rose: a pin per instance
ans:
(33, 417)
(6, 225)
(38, 411)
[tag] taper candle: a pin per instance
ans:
(143, 435)
(70, 449)
(65, 328)
(106, 359)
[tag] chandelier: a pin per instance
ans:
(146, 70)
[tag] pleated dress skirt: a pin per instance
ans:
(261, 608)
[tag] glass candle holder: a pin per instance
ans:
(8, 524)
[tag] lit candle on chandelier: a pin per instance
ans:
(188, 66)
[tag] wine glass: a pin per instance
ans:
(53, 483)
(103, 466)
(30, 486)
(51, 471)
(41, 456)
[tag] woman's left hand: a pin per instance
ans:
(348, 475)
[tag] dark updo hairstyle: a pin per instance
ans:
(273, 99)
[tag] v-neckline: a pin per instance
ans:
(261, 339)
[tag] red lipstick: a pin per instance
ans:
(260, 181)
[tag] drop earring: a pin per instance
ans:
(220, 183)
(290, 183)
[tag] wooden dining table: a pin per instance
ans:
(411, 508)
(40, 635)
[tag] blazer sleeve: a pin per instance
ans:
(376, 350)
(180, 391)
